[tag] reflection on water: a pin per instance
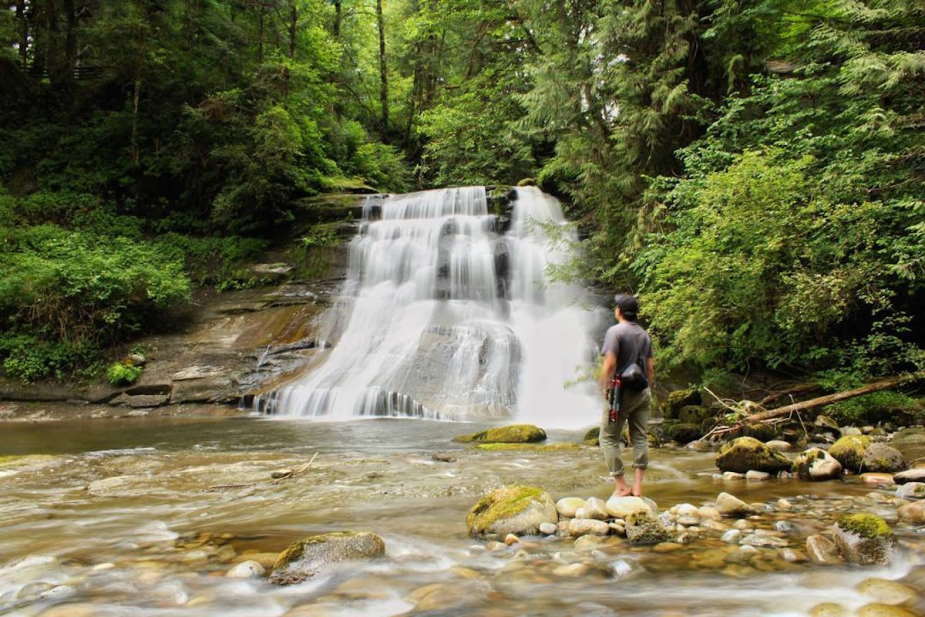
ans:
(141, 517)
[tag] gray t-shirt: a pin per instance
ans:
(629, 343)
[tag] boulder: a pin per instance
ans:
(911, 490)
(683, 432)
(512, 509)
(246, 569)
(584, 526)
(886, 591)
(816, 464)
(912, 513)
(864, 538)
(309, 556)
(849, 451)
(730, 505)
(593, 436)
(916, 474)
(883, 610)
(681, 398)
(747, 453)
(829, 609)
(694, 414)
(644, 530)
(594, 508)
(568, 506)
(825, 422)
(515, 433)
(624, 507)
(822, 551)
(779, 445)
(882, 458)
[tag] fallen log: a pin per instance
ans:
(883, 384)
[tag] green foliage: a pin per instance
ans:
(27, 358)
(122, 374)
(884, 406)
(212, 260)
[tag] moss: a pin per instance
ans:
(681, 398)
(866, 525)
(592, 434)
(849, 451)
(531, 447)
(8, 460)
(515, 433)
(501, 503)
(747, 453)
(693, 414)
(683, 432)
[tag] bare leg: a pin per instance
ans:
(639, 474)
(620, 488)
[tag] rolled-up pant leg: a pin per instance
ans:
(635, 411)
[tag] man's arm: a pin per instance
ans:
(650, 371)
(607, 369)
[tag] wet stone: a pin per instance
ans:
(886, 591)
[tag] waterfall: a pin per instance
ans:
(445, 314)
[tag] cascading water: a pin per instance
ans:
(445, 314)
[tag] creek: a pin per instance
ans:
(145, 516)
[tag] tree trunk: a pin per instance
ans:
(260, 35)
(883, 384)
(136, 102)
(70, 41)
(23, 33)
(383, 73)
(337, 17)
(293, 24)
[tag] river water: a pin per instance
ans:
(145, 516)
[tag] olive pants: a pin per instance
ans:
(635, 410)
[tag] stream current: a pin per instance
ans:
(144, 517)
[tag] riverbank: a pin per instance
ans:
(147, 515)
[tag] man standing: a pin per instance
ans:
(625, 345)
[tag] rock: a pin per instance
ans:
(746, 453)
(822, 551)
(681, 398)
(733, 475)
(683, 432)
(886, 591)
(699, 446)
(817, 464)
(246, 569)
(588, 543)
(512, 509)
(732, 536)
(572, 570)
(791, 556)
(584, 526)
(911, 490)
(850, 430)
(829, 609)
(515, 433)
(730, 505)
(877, 479)
(709, 513)
(305, 558)
(273, 271)
(443, 597)
(624, 507)
(83, 609)
(882, 458)
(757, 476)
(667, 547)
(264, 559)
(593, 436)
(785, 527)
(116, 485)
(694, 414)
(760, 539)
(912, 513)
(864, 538)
(823, 421)
(916, 474)
(548, 529)
(442, 457)
(596, 508)
(568, 506)
(510, 539)
(279, 474)
(643, 529)
(779, 445)
(883, 610)
(849, 451)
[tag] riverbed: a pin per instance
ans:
(145, 516)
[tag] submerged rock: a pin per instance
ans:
(746, 453)
(884, 610)
(515, 433)
(306, 558)
(911, 490)
(850, 450)
(829, 609)
(246, 569)
(913, 513)
(864, 538)
(886, 591)
(817, 464)
(822, 551)
(880, 457)
(512, 509)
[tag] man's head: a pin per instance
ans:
(626, 307)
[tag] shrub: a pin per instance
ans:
(122, 374)
(27, 358)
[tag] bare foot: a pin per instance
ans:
(624, 491)
(637, 491)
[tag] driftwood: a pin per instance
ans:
(798, 389)
(883, 384)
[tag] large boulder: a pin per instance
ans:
(515, 433)
(681, 398)
(864, 539)
(916, 474)
(683, 432)
(309, 556)
(880, 457)
(746, 453)
(519, 510)
(850, 450)
(625, 507)
(817, 464)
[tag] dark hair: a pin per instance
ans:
(628, 305)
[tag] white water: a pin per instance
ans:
(444, 317)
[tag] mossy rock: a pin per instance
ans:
(865, 525)
(747, 453)
(694, 414)
(309, 556)
(530, 447)
(816, 464)
(681, 398)
(864, 538)
(761, 432)
(512, 509)
(527, 182)
(850, 450)
(683, 432)
(593, 434)
(881, 458)
(515, 433)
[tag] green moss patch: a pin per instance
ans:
(529, 447)
(515, 433)
(850, 450)
(865, 525)
(501, 503)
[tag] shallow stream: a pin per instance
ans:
(145, 516)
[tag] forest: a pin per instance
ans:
(754, 170)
